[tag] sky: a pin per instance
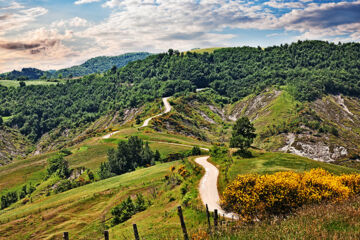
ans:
(53, 34)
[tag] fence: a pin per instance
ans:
(217, 222)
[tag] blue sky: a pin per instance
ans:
(52, 34)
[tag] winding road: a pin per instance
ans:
(167, 109)
(208, 187)
(146, 122)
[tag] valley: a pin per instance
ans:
(181, 109)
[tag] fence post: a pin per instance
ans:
(106, 235)
(136, 233)
(186, 237)
(215, 218)
(208, 216)
(66, 236)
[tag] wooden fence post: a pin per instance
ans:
(66, 236)
(208, 216)
(215, 218)
(186, 237)
(106, 235)
(136, 233)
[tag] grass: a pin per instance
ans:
(270, 162)
(203, 50)
(84, 211)
(90, 154)
(324, 221)
(14, 83)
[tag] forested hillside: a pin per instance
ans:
(93, 65)
(100, 64)
(309, 69)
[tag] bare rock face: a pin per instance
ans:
(313, 149)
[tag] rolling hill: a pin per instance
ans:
(93, 65)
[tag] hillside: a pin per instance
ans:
(99, 65)
(93, 65)
(12, 145)
(294, 81)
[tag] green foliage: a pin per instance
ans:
(128, 156)
(1, 120)
(13, 196)
(243, 134)
(195, 151)
(22, 84)
(64, 185)
(126, 209)
(309, 68)
(58, 165)
(65, 152)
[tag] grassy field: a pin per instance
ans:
(90, 154)
(270, 162)
(14, 83)
(84, 211)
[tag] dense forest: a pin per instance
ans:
(309, 69)
(93, 65)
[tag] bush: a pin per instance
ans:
(273, 194)
(126, 209)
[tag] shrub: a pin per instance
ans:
(273, 194)
(127, 208)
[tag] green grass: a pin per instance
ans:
(14, 83)
(90, 154)
(271, 162)
(83, 211)
(203, 50)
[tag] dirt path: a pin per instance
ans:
(167, 109)
(208, 187)
(146, 122)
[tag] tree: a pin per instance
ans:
(123, 211)
(22, 84)
(113, 69)
(243, 134)
(195, 151)
(59, 166)
(157, 156)
(1, 120)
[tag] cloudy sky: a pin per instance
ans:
(52, 34)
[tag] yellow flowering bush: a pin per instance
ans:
(259, 195)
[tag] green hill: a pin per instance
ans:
(93, 65)
(100, 64)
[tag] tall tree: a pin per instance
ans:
(243, 134)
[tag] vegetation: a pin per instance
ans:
(279, 193)
(128, 156)
(93, 65)
(126, 209)
(309, 68)
(243, 134)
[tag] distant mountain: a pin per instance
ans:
(93, 65)
(24, 74)
(100, 64)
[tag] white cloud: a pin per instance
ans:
(78, 2)
(17, 20)
(281, 4)
(324, 21)
(13, 5)
(73, 22)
